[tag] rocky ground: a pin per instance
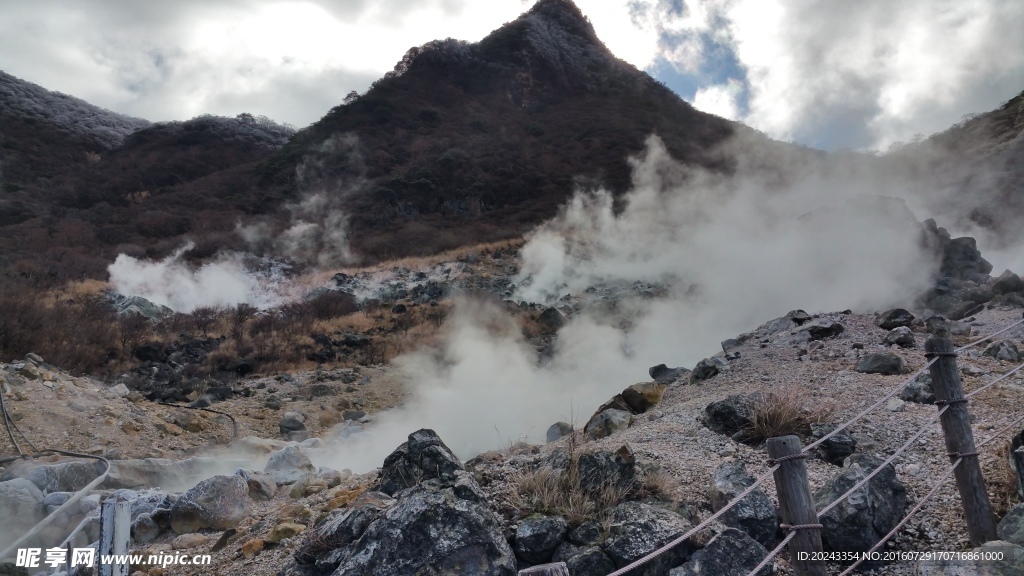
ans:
(649, 464)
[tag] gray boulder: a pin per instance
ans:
(665, 375)
(978, 294)
(292, 422)
(21, 507)
(643, 396)
(964, 309)
(636, 529)
(65, 476)
(962, 259)
(289, 465)
(601, 468)
(755, 514)
(777, 325)
(704, 370)
(1003, 350)
(938, 326)
(836, 448)
(551, 320)
(919, 390)
(860, 521)
(608, 422)
(331, 539)
(732, 348)
(125, 305)
(1011, 527)
(881, 363)
(430, 530)
(585, 534)
(538, 538)
(144, 529)
(262, 486)
(798, 316)
(821, 330)
(422, 457)
(894, 318)
(902, 337)
(729, 553)
(1010, 300)
(558, 430)
(1008, 282)
(732, 414)
(586, 561)
(147, 502)
(216, 503)
(1017, 461)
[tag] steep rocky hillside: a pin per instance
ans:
(472, 142)
(674, 458)
(462, 143)
(975, 170)
(69, 206)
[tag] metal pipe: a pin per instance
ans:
(73, 500)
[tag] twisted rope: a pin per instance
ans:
(698, 527)
(883, 464)
(906, 518)
(990, 336)
(795, 527)
(1002, 431)
(771, 555)
(867, 410)
(996, 381)
(780, 460)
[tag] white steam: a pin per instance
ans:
(172, 282)
(317, 230)
(731, 253)
(485, 388)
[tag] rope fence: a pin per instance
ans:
(944, 406)
(881, 466)
(776, 463)
(636, 564)
(906, 518)
(871, 408)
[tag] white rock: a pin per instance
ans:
(120, 390)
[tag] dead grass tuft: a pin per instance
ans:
(660, 484)
(786, 410)
(1002, 480)
(560, 491)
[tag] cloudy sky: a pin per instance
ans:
(824, 73)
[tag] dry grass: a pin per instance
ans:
(661, 485)
(1002, 480)
(415, 262)
(786, 410)
(87, 287)
(561, 492)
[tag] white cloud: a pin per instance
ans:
(719, 99)
(291, 61)
(860, 74)
(865, 74)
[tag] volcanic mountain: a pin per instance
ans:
(461, 143)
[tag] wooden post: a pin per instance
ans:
(796, 505)
(556, 569)
(956, 426)
(115, 532)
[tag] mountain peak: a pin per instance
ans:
(565, 14)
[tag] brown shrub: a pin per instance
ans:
(786, 410)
